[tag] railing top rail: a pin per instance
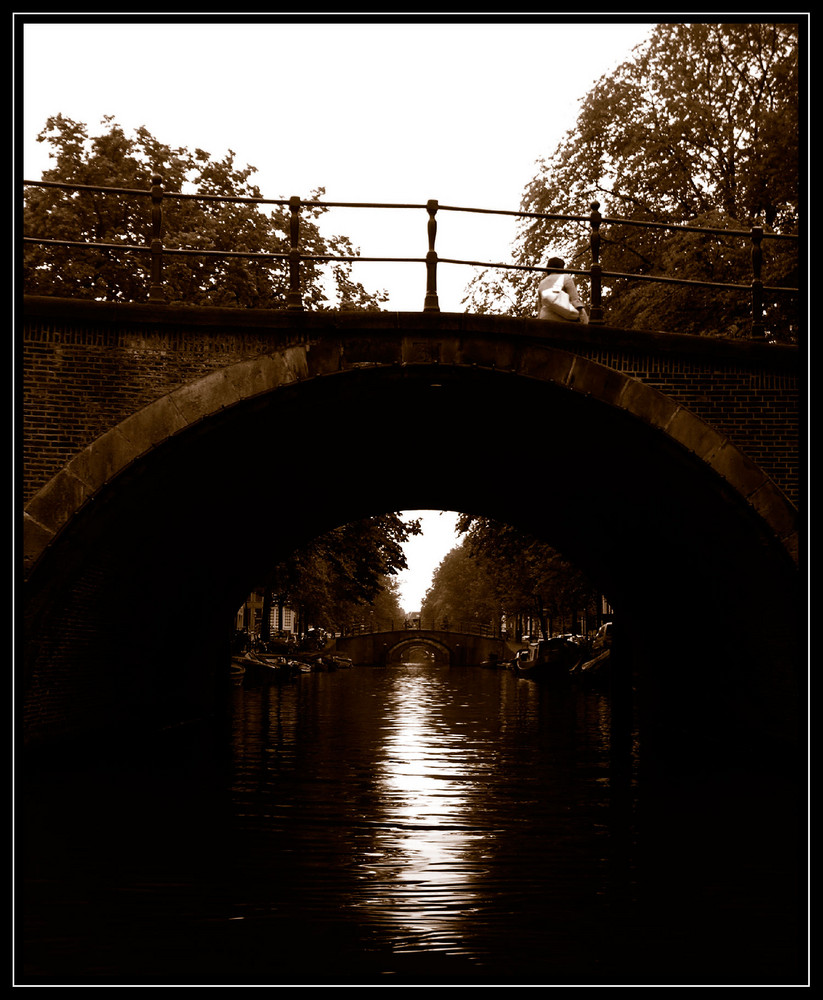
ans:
(222, 254)
(322, 203)
(412, 628)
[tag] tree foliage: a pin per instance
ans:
(699, 128)
(346, 573)
(462, 589)
(500, 572)
(113, 159)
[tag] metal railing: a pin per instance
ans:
(295, 258)
(466, 626)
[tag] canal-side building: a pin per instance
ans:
(249, 617)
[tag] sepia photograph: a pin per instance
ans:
(409, 416)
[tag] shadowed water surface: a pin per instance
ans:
(414, 824)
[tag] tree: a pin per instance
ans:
(386, 606)
(112, 159)
(335, 577)
(699, 127)
(532, 578)
(462, 589)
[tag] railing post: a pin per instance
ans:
(156, 280)
(596, 270)
(431, 303)
(293, 300)
(758, 326)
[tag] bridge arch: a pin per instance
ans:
(141, 545)
(440, 652)
(114, 452)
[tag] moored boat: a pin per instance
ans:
(266, 667)
(595, 670)
(324, 662)
(547, 659)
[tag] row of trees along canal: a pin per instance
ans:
(699, 127)
(345, 581)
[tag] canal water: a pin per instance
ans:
(393, 826)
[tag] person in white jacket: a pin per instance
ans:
(550, 282)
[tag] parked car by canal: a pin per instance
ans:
(602, 638)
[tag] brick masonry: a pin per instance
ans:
(755, 407)
(87, 366)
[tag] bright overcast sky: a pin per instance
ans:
(387, 112)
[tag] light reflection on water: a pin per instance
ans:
(425, 859)
(457, 813)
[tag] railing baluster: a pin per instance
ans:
(156, 282)
(431, 303)
(293, 299)
(596, 270)
(758, 326)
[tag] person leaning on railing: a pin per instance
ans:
(550, 283)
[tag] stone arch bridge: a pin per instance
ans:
(172, 454)
(443, 647)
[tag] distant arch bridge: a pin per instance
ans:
(444, 647)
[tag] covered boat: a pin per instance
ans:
(547, 659)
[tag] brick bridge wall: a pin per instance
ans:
(754, 403)
(87, 366)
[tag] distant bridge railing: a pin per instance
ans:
(424, 624)
(595, 273)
